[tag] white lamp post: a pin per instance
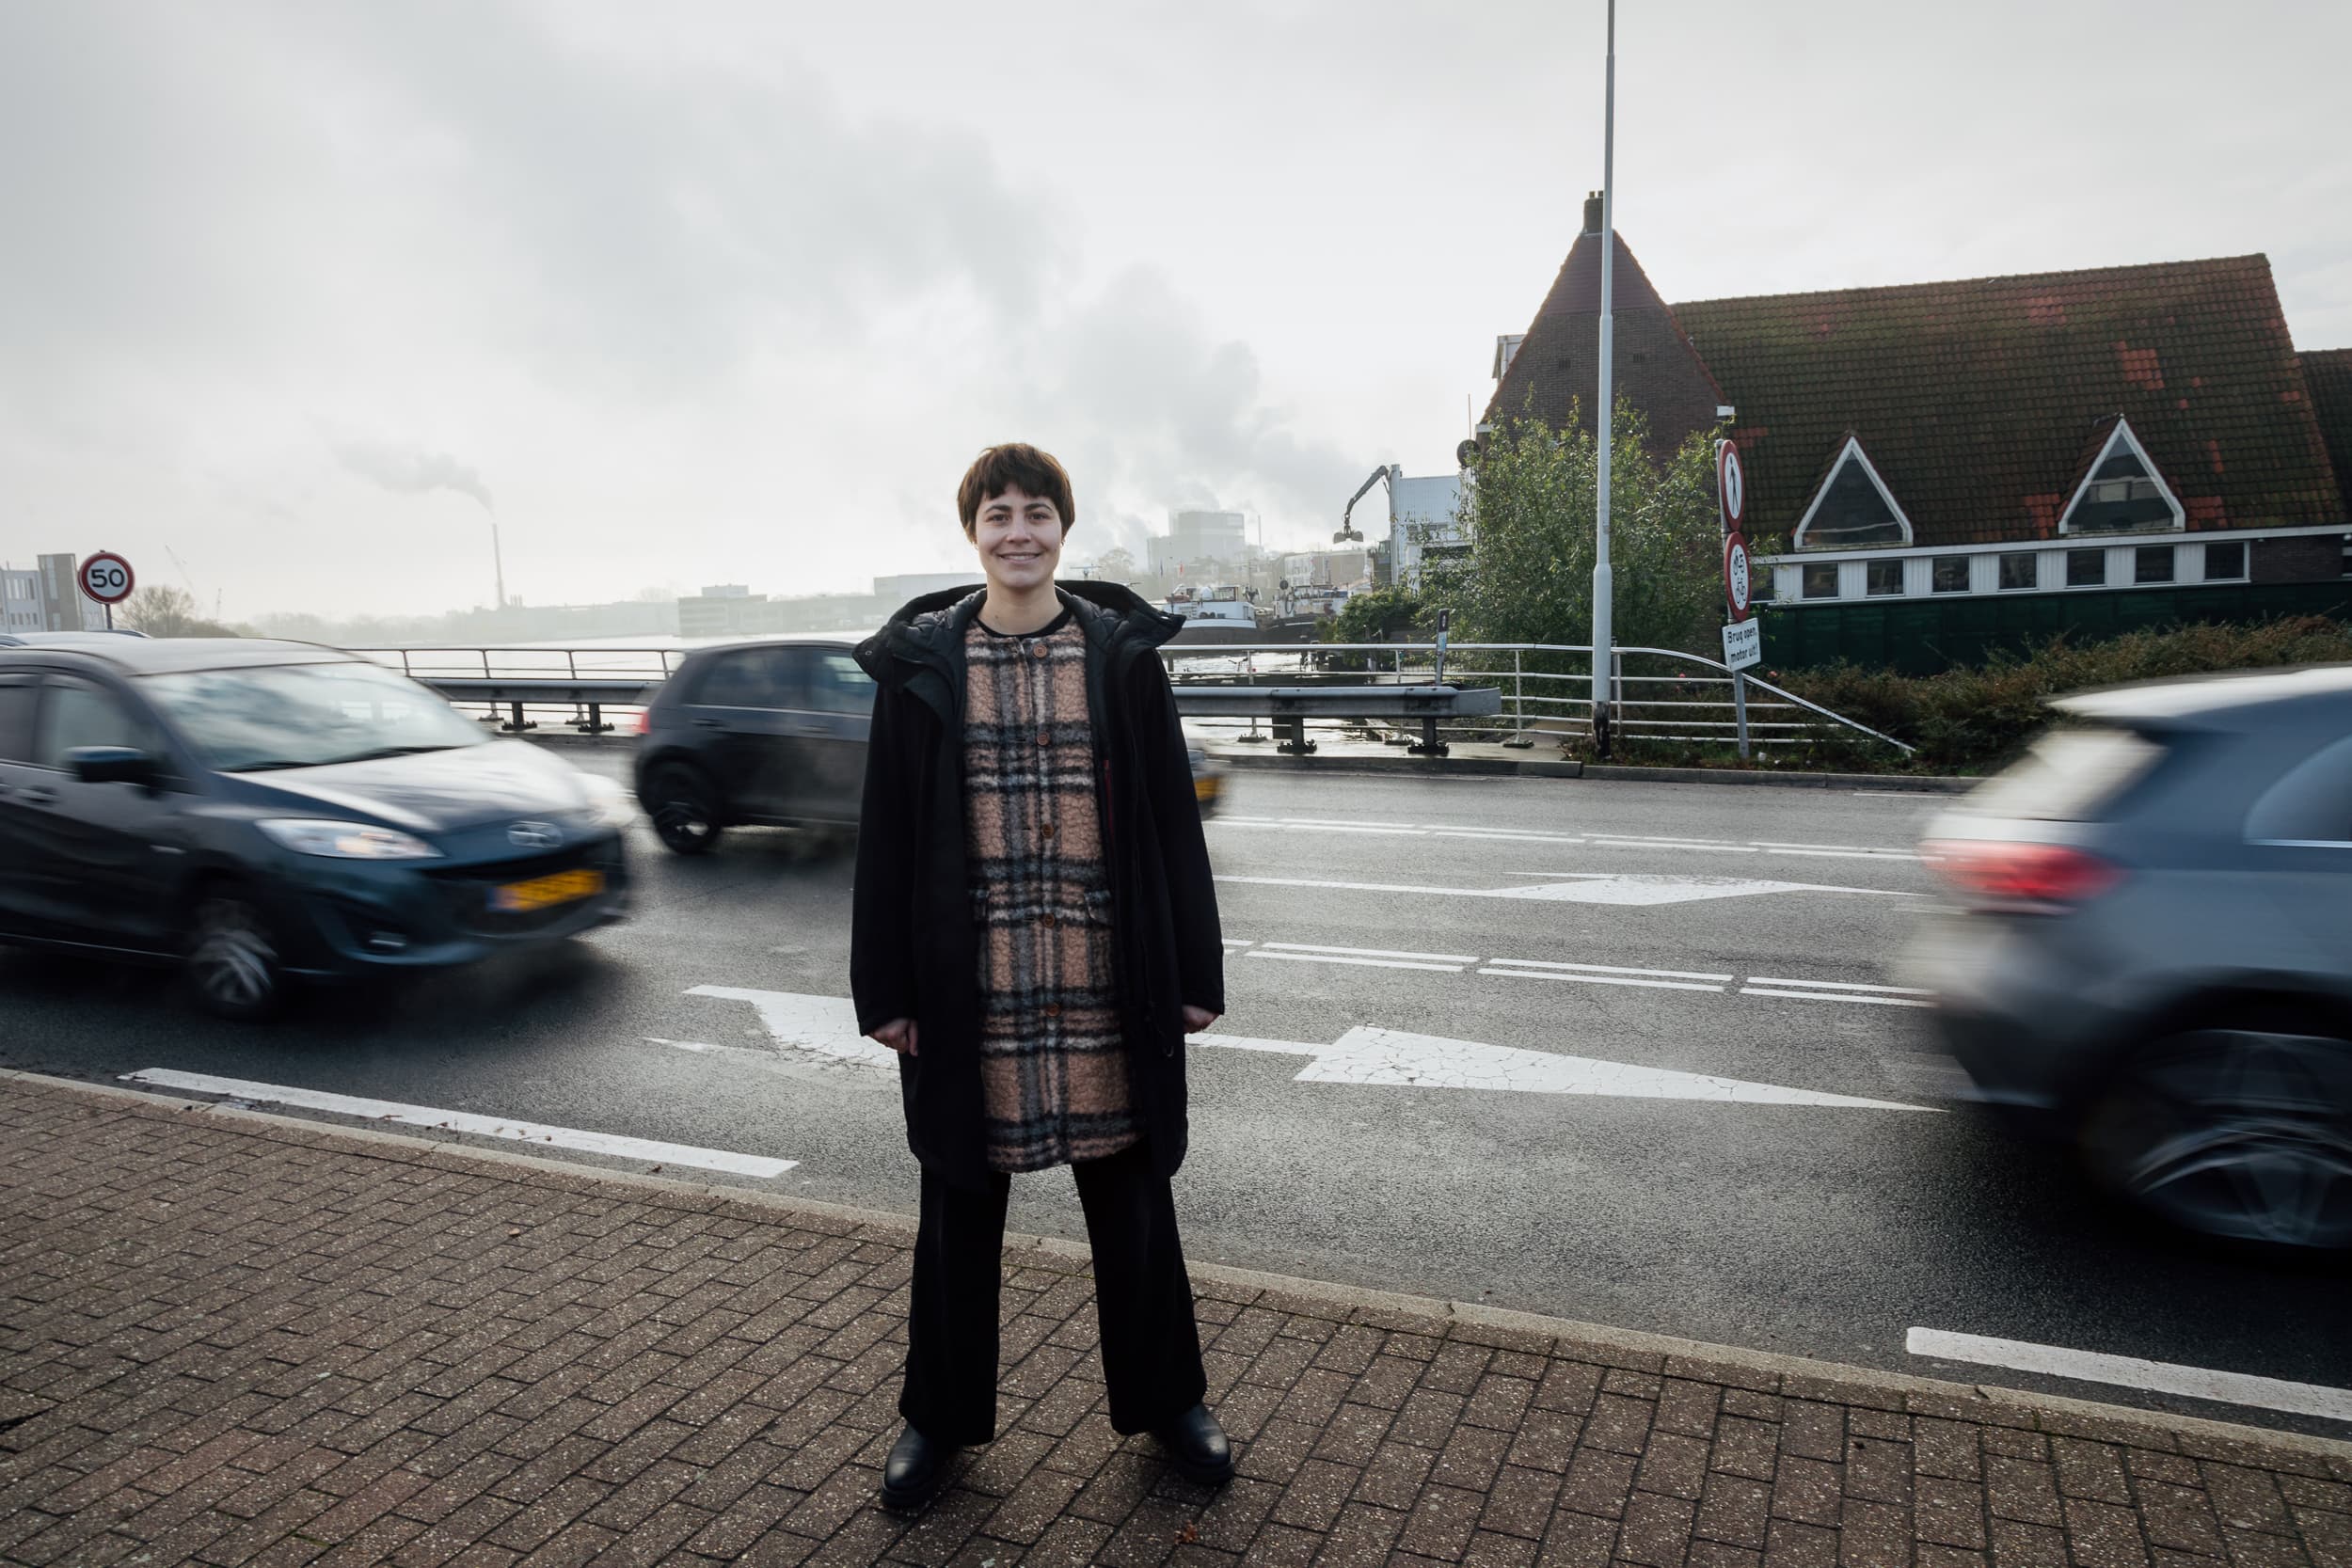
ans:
(1603, 690)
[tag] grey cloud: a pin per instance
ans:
(412, 470)
(1180, 414)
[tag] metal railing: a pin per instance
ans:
(1658, 693)
(590, 682)
(1547, 691)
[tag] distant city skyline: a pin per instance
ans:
(312, 295)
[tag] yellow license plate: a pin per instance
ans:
(1204, 789)
(541, 892)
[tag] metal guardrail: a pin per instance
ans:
(1697, 699)
(1694, 699)
(586, 680)
(1291, 706)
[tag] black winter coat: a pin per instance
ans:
(914, 952)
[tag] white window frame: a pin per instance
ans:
(2122, 432)
(1851, 452)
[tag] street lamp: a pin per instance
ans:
(1604, 687)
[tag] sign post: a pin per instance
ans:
(107, 578)
(1743, 641)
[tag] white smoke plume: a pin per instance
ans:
(412, 470)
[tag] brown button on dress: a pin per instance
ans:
(1053, 1063)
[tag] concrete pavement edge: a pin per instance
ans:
(1473, 1320)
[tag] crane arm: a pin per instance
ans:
(1348, 529)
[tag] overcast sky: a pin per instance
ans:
(703, 293)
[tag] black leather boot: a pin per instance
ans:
(913, 1473)
(1196, 1445)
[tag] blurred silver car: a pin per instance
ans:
(2154, 947)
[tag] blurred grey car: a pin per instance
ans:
(2153, 951)
(773, 734)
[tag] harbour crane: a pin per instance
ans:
(1350, 534)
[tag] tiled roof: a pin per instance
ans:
(2328, 372)
(1558, 367)
(1977, 400)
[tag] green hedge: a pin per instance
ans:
(1976, 721)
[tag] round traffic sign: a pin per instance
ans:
(1736, 585)
(107, 578)
(1731, 485)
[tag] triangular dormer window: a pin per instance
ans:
(2121, 493)
(1854, 508)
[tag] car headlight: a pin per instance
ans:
(347, 841)
(614, 806)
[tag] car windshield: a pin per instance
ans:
(307, 715)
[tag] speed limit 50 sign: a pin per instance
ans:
(107, 578)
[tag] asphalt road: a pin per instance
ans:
(1543, 927)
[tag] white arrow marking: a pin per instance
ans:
(824, 1024)
(828, 1025)
(1364, 1055)
(1573, 887)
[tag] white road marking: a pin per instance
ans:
(1846, 854)
(1602, 979)
(1360, 964)
(1615, 969)
(1836, 985)
(1584, 888)
(1371, 1056)
(2130, 1371)
(1834, 996)
(1369, 952)
(1600, 842)
(1364, 1055)
(1507, 838)
(824, 1024)
(1567, 839)
(685, 1045)
(1658, 838)
(466, 1121)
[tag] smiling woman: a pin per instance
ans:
(257, 718)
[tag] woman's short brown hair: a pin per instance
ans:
(1014, 466)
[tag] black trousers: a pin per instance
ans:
(1143, 1301)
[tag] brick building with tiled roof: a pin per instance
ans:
(2328, 372)
(2115, 428)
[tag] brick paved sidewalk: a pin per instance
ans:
(233, 1338)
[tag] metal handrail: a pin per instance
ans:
(590, 664)
(1172, 654)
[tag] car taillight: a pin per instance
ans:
(2002, 871)
(644, 719)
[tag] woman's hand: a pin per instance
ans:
(1197, 1018)
(899, 1033)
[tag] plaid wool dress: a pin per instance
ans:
(1052, 1060)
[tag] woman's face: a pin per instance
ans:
(1019, 537)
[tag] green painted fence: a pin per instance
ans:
(1923, 637)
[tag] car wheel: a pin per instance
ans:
(232, 959)
(684, 812)
(2244, 1133)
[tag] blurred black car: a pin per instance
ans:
(772, 734)
(768, 734)
(2154, 951)
(263, 810)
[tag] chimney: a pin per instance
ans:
(1592, 213)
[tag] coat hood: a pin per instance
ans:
(926, 630)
